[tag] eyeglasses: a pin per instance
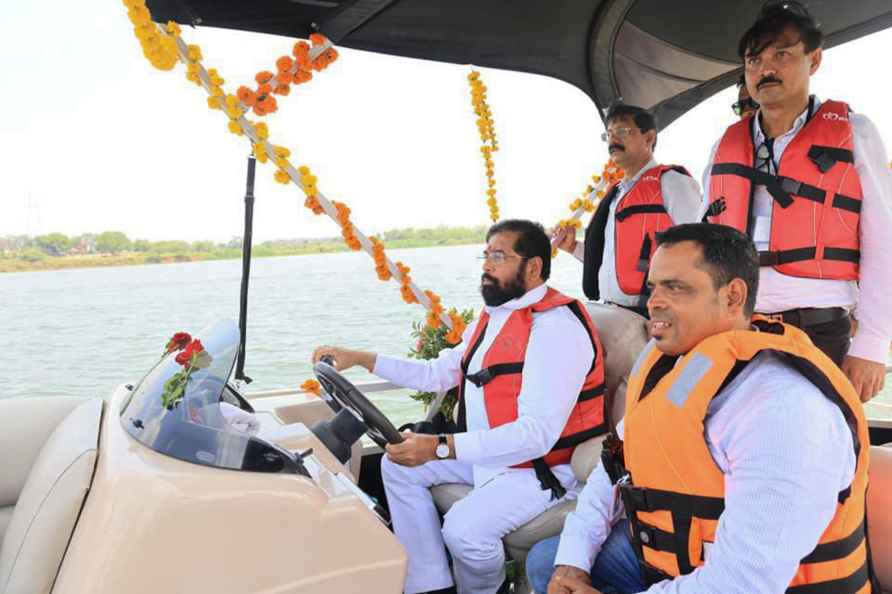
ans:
(618, 133)
(763, 158)
(738, 107)
(498, 257)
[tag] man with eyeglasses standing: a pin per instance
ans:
(530, 372)
(808, 181)
(619, 239)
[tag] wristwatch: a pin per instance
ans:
(442, 450)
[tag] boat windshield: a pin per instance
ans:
(194, 424)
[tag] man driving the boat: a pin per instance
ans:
(531, 383)
(652, 197)
(808, 181)
(744, 454)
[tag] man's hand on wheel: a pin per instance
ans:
(345, 358)
(567, 579)
(415, 450)
(867, 376)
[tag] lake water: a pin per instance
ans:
(82, 332)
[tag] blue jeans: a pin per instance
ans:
(616, 569)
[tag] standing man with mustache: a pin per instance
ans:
(619, 239)
(808, 181)
(530, 372)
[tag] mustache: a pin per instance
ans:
(491, 279)
(768, 79)
(615, 145)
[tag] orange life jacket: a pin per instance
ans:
(674, 492)
(501, 378)
(816, 195)
(639, 215)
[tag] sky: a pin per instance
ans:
(93, 138)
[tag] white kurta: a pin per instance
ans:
(558, 358)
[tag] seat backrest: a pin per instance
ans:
(623, 336)
(49, 503)
(25, 425)
(879, 513)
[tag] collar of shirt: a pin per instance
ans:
(627, 182)
(759, 135)
(525, 300)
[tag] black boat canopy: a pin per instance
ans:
(660, 54)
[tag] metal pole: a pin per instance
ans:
(246, 272)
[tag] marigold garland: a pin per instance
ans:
(311, 386)
(486, 128)
(164, 47)
(611, 174)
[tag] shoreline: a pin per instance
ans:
(14, 264)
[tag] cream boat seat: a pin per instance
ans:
(49, 448)
(623, 336)
(879, 513)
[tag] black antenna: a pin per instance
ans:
(246, 272)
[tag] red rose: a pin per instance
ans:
(177, 342)
(194, 348)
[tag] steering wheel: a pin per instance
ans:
(345, 395)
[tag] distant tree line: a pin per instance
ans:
(54, 245)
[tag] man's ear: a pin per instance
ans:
(534, 269)
(815, 60)
(736, 295)
(651, 138)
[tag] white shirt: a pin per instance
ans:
(786, 453)
(558, 357)
(683, 202)
(872, 294)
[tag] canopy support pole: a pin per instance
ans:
(246, 272)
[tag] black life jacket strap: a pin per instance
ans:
(850, 584)
(780, 257)
(547, 480)
(782, 189)
(573, 440)
(837, 549)
(462, 418)
(622, 215)
(487, 374)
(825, 157)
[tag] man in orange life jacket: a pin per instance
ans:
(531, 387)
(743, 465)
(808, 181)
(619, 238)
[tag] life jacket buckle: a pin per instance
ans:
(481, 378)
(789, 185)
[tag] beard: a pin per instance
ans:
(495, 294)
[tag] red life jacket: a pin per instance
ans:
(501, 377)
(640, 214)
(817, 195)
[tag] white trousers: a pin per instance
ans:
(472, 530)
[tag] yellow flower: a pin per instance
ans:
(214, 102)
(260, 152)
(235, 128)
(282, 152)
(282, 177)
(262, 131)
(215, 77)
(193, 53)
(172, 27)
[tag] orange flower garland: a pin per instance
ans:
(436, 309)
(611, 174)
(458, 327)
(315, 56)
(486, 128)
(380, 259)
(311, 386)
(296, 70)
